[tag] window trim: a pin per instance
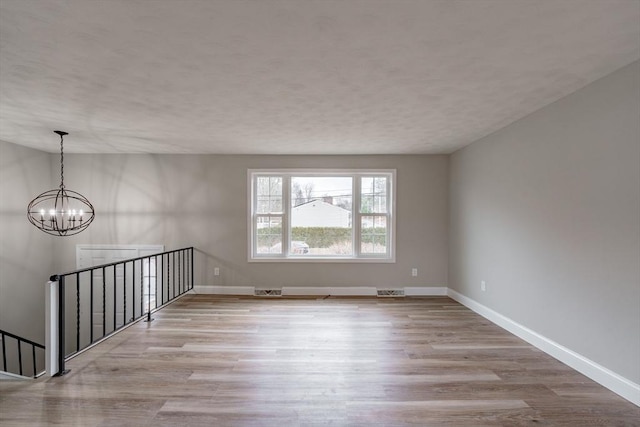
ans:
(356, 174)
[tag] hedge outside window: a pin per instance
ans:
(331, 215)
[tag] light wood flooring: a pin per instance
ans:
(235, 361)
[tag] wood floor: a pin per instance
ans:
(226, 361)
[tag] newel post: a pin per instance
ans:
(51, 325)
(54, 325)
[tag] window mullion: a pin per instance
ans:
(254, 215)
(355, 214)
(389, 212)
(286, 214)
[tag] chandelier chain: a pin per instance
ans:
(61, 164)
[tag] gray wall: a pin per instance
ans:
(547, 212)
(201, 200)
(26, 254)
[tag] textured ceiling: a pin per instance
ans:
(295, 76)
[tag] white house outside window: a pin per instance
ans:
(338, 215)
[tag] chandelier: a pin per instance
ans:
(60, 212)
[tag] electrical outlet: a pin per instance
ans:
(216, 271)
(414, 272)
(483, 285)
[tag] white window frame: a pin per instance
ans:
(356, 174)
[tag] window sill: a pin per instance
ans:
(313, 260)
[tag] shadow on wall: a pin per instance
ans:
(142, 198)
(134, 208)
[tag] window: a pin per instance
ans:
(321, 215)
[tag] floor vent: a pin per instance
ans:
(268, 292)
(390, 292)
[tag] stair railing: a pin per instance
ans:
(91, 304)
(17, 361)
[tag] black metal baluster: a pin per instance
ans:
(191, 255)
(179, 284)
(33, 355)
(174, 274)
(77, 311)
(124, 294)
(20, 355)
(133, 291)
(104, 301)
(4, 353)
(167, 284)
(115, 294)
(91, 309)
(61, 327)
(149, 289)
(141, 287)
(155, 261)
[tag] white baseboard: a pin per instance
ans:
(414, 291)
(289, 290)
(330, 290)
(609, 379)
(350, 291)
(224, 290)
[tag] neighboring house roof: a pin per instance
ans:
(318, 213)
(320, 201)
